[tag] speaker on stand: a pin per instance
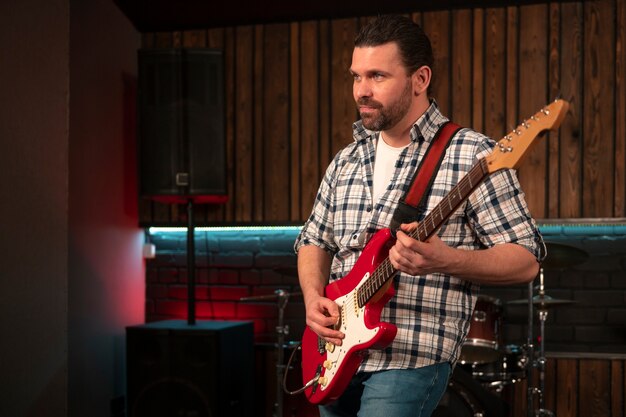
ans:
(177, 368)
(182, 144)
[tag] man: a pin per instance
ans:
(490, 239)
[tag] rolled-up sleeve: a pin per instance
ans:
(498, 213)
(318, 229)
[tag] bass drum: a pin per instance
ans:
(466, 397)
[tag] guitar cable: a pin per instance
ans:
(288, 367)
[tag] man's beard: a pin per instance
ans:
(390, 115)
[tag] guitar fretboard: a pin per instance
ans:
(427, 227)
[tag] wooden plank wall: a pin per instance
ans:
(289, 106)
(577, 387)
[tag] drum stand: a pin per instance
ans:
(540, 363)
(558, 256)
(530, 348)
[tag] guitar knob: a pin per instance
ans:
(322, 381)
(328, 364)
(330, 347)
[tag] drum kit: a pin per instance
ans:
(494, 365)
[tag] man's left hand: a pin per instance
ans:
(413, 257)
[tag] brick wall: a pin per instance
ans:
(238, 262)
(231, 264)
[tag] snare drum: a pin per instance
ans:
(510, 368)
(483, 339)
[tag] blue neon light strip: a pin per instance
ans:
(155, 230)
(590, 230)
(573, 230)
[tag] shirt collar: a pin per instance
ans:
(424, 128)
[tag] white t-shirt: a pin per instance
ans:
(384, 166)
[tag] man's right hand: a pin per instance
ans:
(323, 317)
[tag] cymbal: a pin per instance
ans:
(563, 256)
(543, 302)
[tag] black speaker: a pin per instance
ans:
(200, 370)
(182, 142)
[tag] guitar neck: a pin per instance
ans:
(427, 227)
(459, 193)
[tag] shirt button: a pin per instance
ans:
(369, 209)
(354, 237)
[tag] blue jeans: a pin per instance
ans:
(392, 393)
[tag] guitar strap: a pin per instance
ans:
(413, 204)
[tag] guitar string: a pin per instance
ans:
(453, 199)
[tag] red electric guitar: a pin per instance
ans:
(361, 295)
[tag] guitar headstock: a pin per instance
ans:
(510, 150)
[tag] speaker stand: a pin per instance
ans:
(191, 266)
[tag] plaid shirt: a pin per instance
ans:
(432, 312)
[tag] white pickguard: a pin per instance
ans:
(353, 326)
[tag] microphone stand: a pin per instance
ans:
(281, 330)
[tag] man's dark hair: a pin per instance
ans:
(414, 45)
